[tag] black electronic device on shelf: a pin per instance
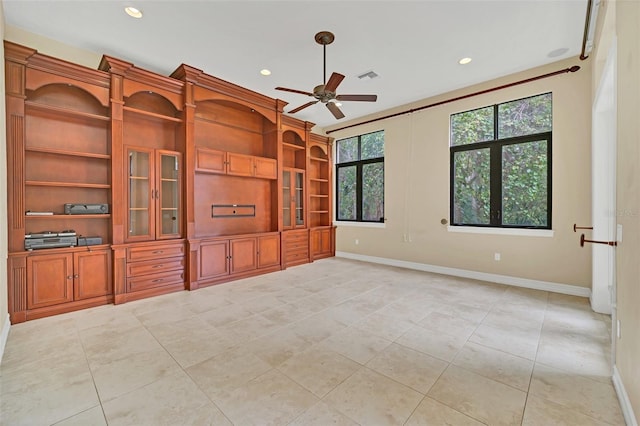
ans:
(50, 239)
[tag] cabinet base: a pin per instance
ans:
(143, 294)
(227, 278)
(31, 314)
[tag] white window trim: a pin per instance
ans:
(502, 231)
(360, 224)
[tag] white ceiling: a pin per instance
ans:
(414, 46)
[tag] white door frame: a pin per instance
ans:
(603, 158)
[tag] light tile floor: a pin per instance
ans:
(333, 342)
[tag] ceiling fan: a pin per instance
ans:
(326, 93)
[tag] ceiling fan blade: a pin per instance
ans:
(302, 92)
(335, 110)
(361, 98)
(301, 107)
(333, 82)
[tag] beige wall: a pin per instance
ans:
(53, 48)
(623, 17)
(417, 187)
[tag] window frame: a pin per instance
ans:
(495, 147)
(359, 167)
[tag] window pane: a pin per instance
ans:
(525, 116)
(373, 192)
(472, 126)
(372, 145)
(471, 187)
(347, 150)
(347, 193)
(524, 184)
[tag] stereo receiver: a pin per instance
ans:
(70, 208)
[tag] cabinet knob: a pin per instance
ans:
(76, 276)
(69, 277)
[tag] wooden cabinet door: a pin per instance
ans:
(321, 242)
(316, 242)
(268, 251)
(243, 255)
(266, 168)
(49, 280)
(214, 259)
(239, 164)
(92, 274)
(211, 161)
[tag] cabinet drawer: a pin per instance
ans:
(155, 266)
(154, 280)
(135, 254)
(296, 237)
(292, 257)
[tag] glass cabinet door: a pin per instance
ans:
(286, 199)
(139, 203)
(168, 195)
(293, 199)
(299, 198)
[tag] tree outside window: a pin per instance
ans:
(501, 164)
(360, 178)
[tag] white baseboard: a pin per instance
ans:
(623, 397)
(4, 335)
(572, 290)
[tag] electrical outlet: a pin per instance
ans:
(357, 241)
(496, 256)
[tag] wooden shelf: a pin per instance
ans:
(319, 211)
(67, 153)
(322, 160)
(319, 180)
(69, 216)
(67, 184)
(292, 146)
(152, 114)
(65, 111)
(319, 195)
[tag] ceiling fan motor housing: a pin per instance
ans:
(323, 95)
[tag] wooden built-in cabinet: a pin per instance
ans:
(154, 266)
(58, 152)
(214, 161)
(203, 181)
(237, 257)
(148, 135)
(322, 231)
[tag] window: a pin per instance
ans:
(501, 165)
(360, 178)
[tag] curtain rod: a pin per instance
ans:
(482, 92)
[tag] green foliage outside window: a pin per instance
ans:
(519, 190)
(360, 178)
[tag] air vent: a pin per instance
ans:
(369, 74)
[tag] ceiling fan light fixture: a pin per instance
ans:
(464, 61)
(133, 12)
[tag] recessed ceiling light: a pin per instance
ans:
(464, 61)
(265, 72)
(133, 12)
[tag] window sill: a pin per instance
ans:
(502, 231)
(360, 224)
